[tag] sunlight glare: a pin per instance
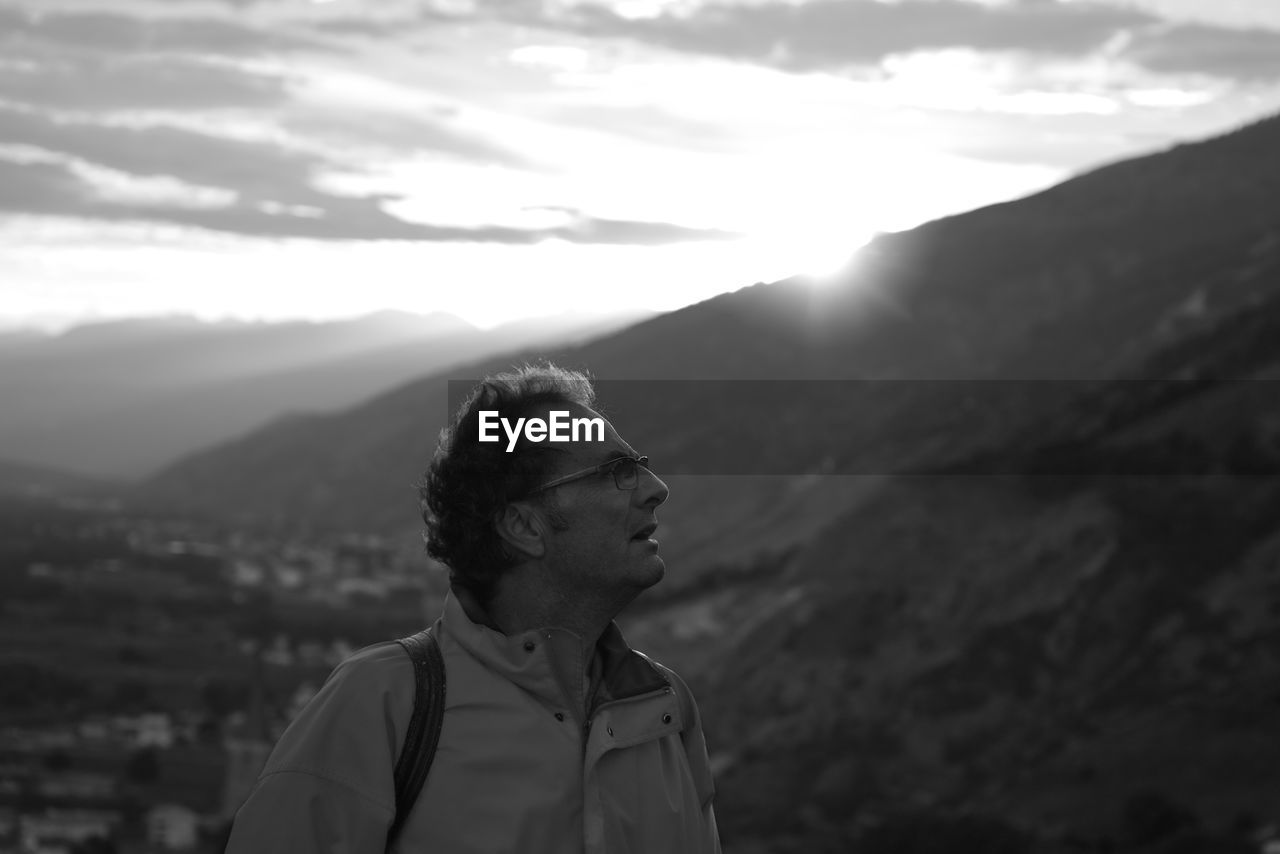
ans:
(816, 251)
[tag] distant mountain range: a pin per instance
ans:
(27, 481)
(1049, 597)
(120, 399)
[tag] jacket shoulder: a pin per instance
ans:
(688, 706)
(691, 733)
(327, 785)
(382, 660)
(353, 729)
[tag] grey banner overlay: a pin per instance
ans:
(884, 427)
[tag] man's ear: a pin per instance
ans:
(522, 528)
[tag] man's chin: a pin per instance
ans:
(656, 569)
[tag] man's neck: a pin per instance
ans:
(522, 601)
(515, 611)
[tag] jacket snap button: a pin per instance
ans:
(559, 716)
(529, 646)
(666, 719)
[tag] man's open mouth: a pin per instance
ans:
(646, 532)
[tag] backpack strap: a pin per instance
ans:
(424, 727)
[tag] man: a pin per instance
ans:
(557, 737)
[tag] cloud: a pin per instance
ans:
(127, 34)
(588, 229)
(835, 34)
(363, 27)
(400, 132)
(107, 60)
(59, 189)
(840, 35)
(172, 83)
(1250, 55)
(41, 188)
(253, 168)
(383, 22)
(66, 185)
(256, 170)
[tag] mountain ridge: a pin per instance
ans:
(873, 322)
(123, 398)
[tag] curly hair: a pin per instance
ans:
(469, 482)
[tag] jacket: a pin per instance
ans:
(542, 751)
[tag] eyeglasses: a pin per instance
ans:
(625, 471)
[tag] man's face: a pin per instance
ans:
(606, 543)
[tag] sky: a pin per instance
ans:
(499, 159)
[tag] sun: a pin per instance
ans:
(816, 249)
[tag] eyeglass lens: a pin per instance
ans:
(625, 474)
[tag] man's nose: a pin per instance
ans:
(652, 490)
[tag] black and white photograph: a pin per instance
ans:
(640, 426)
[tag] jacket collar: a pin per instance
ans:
(550, 662)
